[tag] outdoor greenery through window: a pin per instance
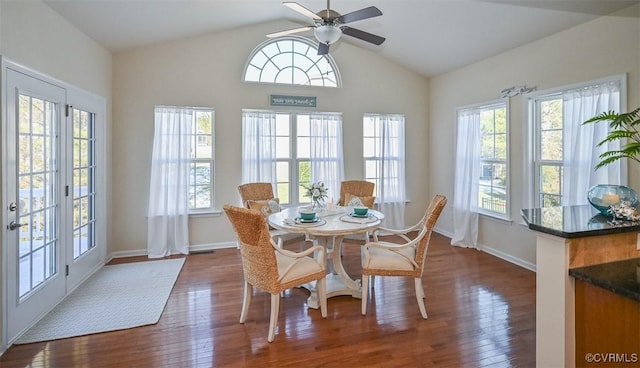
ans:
(549, 150)
(293, 157)
(492, 186)
(201, 172)
(291, 60)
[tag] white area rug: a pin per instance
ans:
(114, 298)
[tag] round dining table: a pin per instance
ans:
(328, 229)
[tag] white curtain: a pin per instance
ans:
(168, 217)
(580, 151)
(391, 191)
(327, 161)
(467, 174)
(259, 146)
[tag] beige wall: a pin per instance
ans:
(33, 35)
(604, 47)
(207, 71)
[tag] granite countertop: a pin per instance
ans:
(575, 222)
(620, 277)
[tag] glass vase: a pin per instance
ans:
(318, 204)
(603, 196)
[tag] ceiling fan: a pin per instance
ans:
(330, 25)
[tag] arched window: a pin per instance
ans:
(291, 60)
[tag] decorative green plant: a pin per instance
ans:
(624, 127)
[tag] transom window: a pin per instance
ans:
(291, 60)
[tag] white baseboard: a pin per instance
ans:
(508, 257)
(192, 248)
(494, 252)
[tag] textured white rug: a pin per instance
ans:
(114, 298)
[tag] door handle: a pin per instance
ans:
(13, 225)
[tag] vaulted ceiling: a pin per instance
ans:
(428, 36)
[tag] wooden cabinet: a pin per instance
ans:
(607, 328)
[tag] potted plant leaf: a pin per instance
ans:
(624, 127)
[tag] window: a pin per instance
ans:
(292, 150)
(201, 172)
(482, 168)
(564, 151)
(384, 164)
(383, 151)
(291, 60)
(492, 186)
(548, 163)
(184, 148)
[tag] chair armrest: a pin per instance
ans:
(400, 232)
(320, 256)
(388, 246)
(292, 254)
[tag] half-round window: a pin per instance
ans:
(291, 60)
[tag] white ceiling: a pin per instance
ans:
(428, 36)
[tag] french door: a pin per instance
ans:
(51, 194)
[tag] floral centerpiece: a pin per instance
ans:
(317, 192)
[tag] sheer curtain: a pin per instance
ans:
(391, 192)
(327, 161)
(259, 146)
(580, 151)
(467, 174)
(168, 217)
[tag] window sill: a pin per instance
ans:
(207, 213)
(496, 218)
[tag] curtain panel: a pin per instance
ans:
(168, 213)
(327, 160)
(392, 187)
(259, 147)
(580, 151)
(467, 174)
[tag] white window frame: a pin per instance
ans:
(301, 59)
(375, 159)
(492, 105)
(294, 161)
(531, 139)
(195, 144)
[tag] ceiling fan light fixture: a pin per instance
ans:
(327, 33)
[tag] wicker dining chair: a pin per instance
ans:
(255, 192)
(406, 259)
(358, 188)
(259, 193)
(271, 268)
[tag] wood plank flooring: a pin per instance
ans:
(481, 314)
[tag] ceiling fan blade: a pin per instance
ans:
(323, 48)
(301, 9)
(361, 14)
(289, 31)
(365, 36)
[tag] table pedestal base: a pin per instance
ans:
(335, 287)
(338, 281)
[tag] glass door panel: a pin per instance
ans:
(84, 189)
(37, 203)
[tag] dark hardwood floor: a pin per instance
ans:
(481, 314)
